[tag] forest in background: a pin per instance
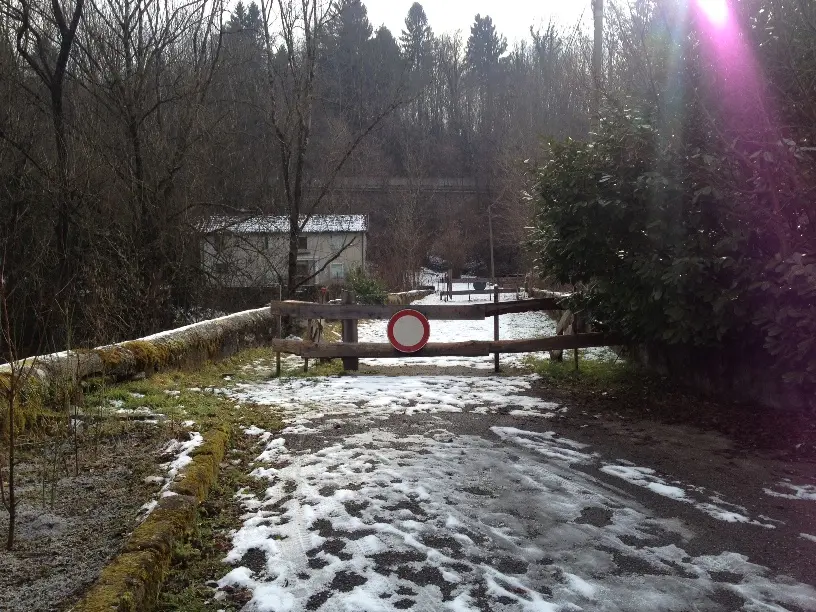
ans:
(675, 185)
(124, 123)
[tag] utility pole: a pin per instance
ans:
(597, 59)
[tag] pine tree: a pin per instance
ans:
(416, 38)
(484, 48)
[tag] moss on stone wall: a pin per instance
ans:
(202, 472)
(170, 522)
(31, 403)
(132, 581)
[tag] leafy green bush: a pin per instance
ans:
(368, 289)
(627, 219)
(671, 241)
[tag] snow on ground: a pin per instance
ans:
(703, 500)
(517, 326)
(309, 406)
(266, 366)
(409, 515)
(180, 452)
(429, 520)
(368, 399)
(793, 491)
(380, 521)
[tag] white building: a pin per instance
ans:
(253, 251)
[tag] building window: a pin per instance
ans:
(337, 242)
(337, 271)
(266, 243)
(303, 270)
(221, 267)
(303, 244)
(218, 242)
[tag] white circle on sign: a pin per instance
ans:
(408, 331)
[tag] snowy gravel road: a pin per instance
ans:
(440, 492)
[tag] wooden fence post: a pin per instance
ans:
(496, 328)
(575, 331)
(350, 364)
(280, 333)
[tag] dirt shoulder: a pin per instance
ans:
(82, 490)
(70, 525)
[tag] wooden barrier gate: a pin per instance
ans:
(351, 351)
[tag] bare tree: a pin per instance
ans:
(292, 47)
(13, 377)
(597, 54)
(45, 38)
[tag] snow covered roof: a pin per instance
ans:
(269, 224)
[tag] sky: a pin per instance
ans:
(512, 18)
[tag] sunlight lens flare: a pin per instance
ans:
(716, 11)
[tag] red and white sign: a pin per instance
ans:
(408, 331)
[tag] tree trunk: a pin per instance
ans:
(597, 59)
(12, 507)
(291, 272)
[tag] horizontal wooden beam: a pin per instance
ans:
(501, 280)
(442, 312)
(514, 306)
(384, 349)
(447, 349)
(309, 310)
(479, 291)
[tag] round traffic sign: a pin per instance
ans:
(408, 331)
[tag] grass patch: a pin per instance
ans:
(591, 375)
(189, 395)
(180, 396)
(318, 369)
(247, 366)
(332, 331)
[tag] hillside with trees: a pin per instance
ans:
(125, 123)
(675, 183)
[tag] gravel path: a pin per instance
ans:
(427, 488)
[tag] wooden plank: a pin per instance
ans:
(480, 291)
(440, 312)
(460, 349)
(512, 306)
(495, 329)
(384, 349)
(501, 280)
(349, 335)
(293, 347)
(576, 341)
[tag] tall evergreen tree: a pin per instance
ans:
(348, 61)
(245, 20)
(484, 47)
(416, 38)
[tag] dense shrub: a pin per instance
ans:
(668, 246)
(689, 219)
(368, 289)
